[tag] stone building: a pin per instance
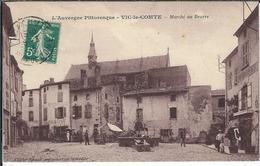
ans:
(104, 83)
(30, 112)
(54, 115)
(242, 83)
(11, 83)
(169, 105)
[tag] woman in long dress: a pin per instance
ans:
(38, 38)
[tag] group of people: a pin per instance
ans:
(219, 142)
(83, 135)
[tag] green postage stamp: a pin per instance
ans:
(41, 44)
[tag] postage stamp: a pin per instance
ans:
(41, 42)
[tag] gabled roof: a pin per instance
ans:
(234, 51)
(246, 23)
(120, 66)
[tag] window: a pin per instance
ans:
(77, 112)
(30, 93)
(221, 102)
(75, 98)
(249, 95)
(83, 73)
(59, 86)
(117, 99)
(106, 113)
(44, 90)
(23, 93)
(105, 96)
(235, 79)
(44, 98)
(87, 96)
(45, 114)
(118, 114)
(173, 113)
(245, 97)
(139, 114)
(60, 96)
(245, 54)
(30, 115)
(30, 101)
(173, 97)
(88, 111)
(60, 112)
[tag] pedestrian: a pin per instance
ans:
(183, 137)
(95, 134)
(68, 135)
(219, 140)
(86, 138)
(80, 134)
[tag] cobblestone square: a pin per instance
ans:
(46, 151)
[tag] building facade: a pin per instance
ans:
(167, 111)
(30, 112)
(11, 83)
(54, 115)
(242, 83)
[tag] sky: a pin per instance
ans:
(196, 43)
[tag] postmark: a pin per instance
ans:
(41, 41)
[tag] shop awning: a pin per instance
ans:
(114, 128)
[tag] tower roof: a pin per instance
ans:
(92, 50)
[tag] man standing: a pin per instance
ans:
(183, 136)
(80, 134)
(219, 139)
(86, 138)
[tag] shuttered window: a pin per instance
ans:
(88, 111)
(60, 96)
(249, 95)
(60, 112)
(239, 100)
(77, 112)
(45, 114)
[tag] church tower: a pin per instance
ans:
(92, 57)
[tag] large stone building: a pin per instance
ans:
(97, 87)
(169, 105)
(242, 83)
(11, 84)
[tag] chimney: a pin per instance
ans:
(51, 80)
(46, 82)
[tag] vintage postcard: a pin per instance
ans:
(130, 81)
